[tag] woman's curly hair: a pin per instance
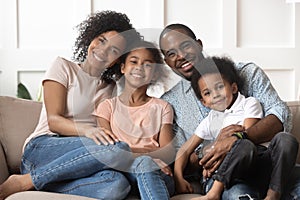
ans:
(96, 24)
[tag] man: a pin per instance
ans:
(183, 52)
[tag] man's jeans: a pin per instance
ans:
(77, 165)
(282, 153)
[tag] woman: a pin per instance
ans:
(62, 155)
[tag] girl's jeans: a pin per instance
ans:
(77, 165)
(151, 182)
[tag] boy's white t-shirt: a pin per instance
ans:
(243, 108)
(84, 93)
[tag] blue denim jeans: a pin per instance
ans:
(239, 191)
(73, 165)
(77, 165)
(151, 182)
(243, 191)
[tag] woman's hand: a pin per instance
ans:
(101, 135)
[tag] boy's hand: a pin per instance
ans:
(182, 186)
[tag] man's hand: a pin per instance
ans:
(229, 130)
(217, 152)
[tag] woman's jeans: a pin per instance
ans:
(77, 165)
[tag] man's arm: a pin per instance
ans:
(277, 114)
(265, 129)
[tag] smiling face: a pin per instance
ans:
(181, 52)
(217, 93)
(138, 68)
(105, 49)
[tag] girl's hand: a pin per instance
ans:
(163, 166)
(101, 135)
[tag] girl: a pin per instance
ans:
(61, 154)
(143, 122)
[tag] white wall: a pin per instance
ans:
(34, 32)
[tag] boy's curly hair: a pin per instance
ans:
(215, 65)
(96, 24)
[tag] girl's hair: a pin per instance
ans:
(96, 24)
(211, 65)
(142, 44)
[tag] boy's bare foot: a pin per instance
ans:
(214, 193)
(14, 184)
(272, 195)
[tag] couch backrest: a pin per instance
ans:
(18, 118)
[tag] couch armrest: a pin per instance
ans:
(295, 110)
(3, 166)
(18, 119)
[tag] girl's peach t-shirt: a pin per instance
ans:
(137, 126)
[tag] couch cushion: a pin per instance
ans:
(18, 118)
(37, 195)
